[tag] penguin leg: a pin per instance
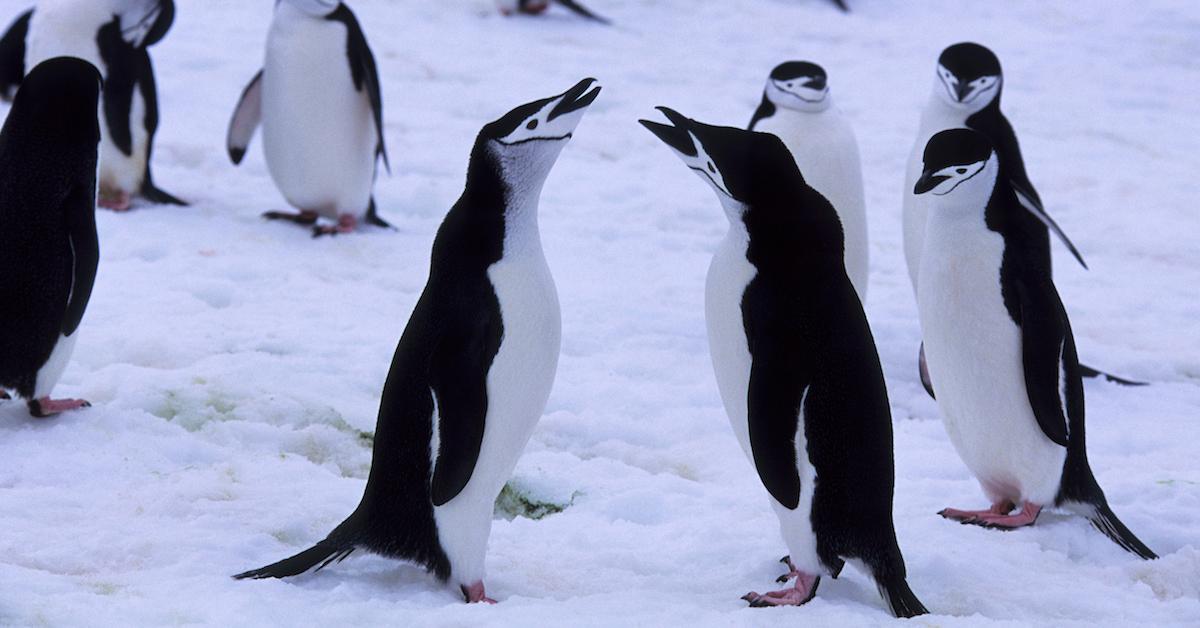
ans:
(304, 217)
(346, 223)
(804, 589)
(45, 406)
(475, 593)
(970, 516)
(1003, 520)
(116, 200)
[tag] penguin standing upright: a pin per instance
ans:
(797, 107)
(319, 101)
(966, 94)
(474, 366)
(796, 363)
(114, 36)
(999, 344)
(48, 245)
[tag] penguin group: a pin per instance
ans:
(794, 357)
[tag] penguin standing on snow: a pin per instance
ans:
(966, 94)
(114, 36)
(797, 107)
(999, 344)
(796, 363)
(48, 245)
(474, 366)
(318, 99)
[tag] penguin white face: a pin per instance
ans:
(144, 22)
(681, 138)
(315, 8)
(954, 160)
(798, 85)
(968, 77)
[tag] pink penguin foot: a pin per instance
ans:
(306, 217)
(116, 201)
(346, 223)
(997, 516)
(799, 593)
(44, 407)
(475, 593)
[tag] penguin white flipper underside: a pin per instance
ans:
(246, 118)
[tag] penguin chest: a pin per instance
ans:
(319, 133)
(728, 276)
(974, 352)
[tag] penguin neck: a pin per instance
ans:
(507, 182)
(940, 114)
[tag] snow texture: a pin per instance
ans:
(235, 365)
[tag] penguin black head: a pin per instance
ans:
(144, 22)
(968, 76)
(527, 140)
(799, 85)
(58, 102)
(957, 158)
(314, 8)
(744, 167)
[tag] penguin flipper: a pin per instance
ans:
(1048, 356)
(79, 212)
(777, 393)
(1092, 373)
(364, 72)
(155, 195)
(372, 216)
(246, 118)
(1106, 521)
(458, 377)
(320, 556)
(120, 81)
(923, 370)
(900, 599)
(12, 55)
(1030, 203)
(841, 4)
(579, 9)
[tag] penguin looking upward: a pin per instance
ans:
(796, 363)
(797, 107)
(319, 100)
(114, 36)
(998, 343)
(48, 245)
(474, 367)
(966, 94)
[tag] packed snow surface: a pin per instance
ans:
(235, 365)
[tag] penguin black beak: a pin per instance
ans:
(575, 99)
(677, 136)
(815, 82)
(962, 90)
(927, 182)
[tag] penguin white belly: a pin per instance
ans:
(936, 117)
(518, 385)
(52, 370)
(826, 150)
(974, 353)
(319, 133)
(728, 276)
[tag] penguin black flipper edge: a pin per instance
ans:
(12, 55)
(1044, 341)
(119, 84)
(363, 71)
(774, 406)
(79, 211)
(148, 88)
(246, 118)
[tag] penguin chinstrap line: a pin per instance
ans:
(474, 367)
(319, 102)
(114, 36)
(966, 94)
(49, 250)
(537, 7)
(998, 343)
(798, 108)
(796, 364)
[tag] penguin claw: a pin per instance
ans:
(47, 407)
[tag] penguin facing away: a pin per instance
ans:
(114, 36)
(474, 367)
(797, 107)
(537, 7)
(49, 250)
(796, 363)
(966, 94)
(319, 101)
(998, 342)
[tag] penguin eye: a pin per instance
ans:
(712, 168)
(532, 125)
(790, 85)
(961, 170)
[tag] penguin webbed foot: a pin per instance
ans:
(117, 201)
(997, 517)
(305, 217)
(475, 593)
(47, 407)
(798, 594)
(346, 223)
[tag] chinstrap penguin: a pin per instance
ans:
(474, 367)
(998, 343)
(114, 35)
(797, 107)
(966, 94)
(49, 250)
(537, 7)
(319, 102)
(796, 363)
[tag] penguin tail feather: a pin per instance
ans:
(1106, 521)
(151, 193)
(900, 599)
(320, 556)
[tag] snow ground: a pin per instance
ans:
(235, 365)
